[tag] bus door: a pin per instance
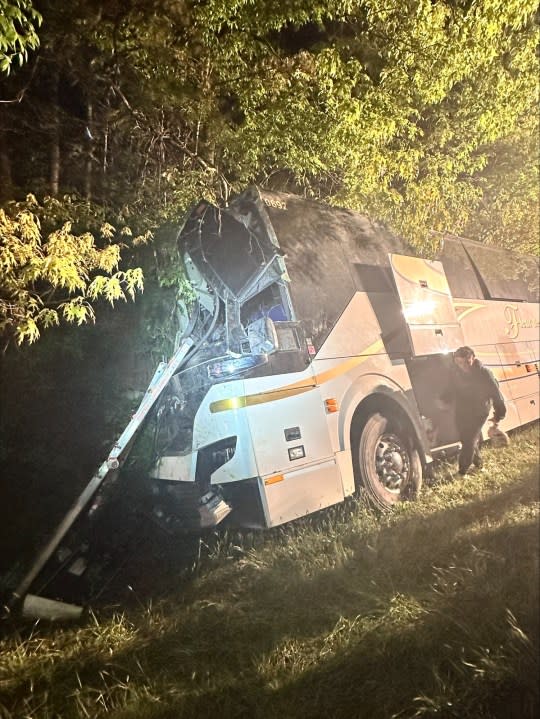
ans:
(426, 304)
(433, 332)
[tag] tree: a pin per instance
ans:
(507, 214)
(392, 108)
(61, 275)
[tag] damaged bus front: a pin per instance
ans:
(242, 321)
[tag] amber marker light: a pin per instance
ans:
(274, 479)
(331, 405)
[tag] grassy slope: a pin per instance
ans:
(429, 611)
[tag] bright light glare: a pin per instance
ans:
(420, 308)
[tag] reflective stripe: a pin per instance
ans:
(295, 388)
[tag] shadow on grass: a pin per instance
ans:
(416, 624)
(448, 650)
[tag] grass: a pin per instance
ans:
(430, 611)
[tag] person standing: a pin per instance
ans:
(473, 389)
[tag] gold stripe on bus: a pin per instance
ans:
(222, 405)
(349, 364)
(469, 307)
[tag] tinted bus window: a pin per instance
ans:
(506, 275)
(461, 275)
(321, 244)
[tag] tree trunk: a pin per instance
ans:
(55, 138)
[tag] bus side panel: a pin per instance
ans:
(518, 361)
(490, 357)
(354, 362)
(301, 491)
(357, 332)
(528, 408)
(504, 335)
(278, 425)
(497, 321)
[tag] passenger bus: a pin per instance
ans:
(323, 343)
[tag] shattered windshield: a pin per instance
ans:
(239, 315)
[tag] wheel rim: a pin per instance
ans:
(392, 463)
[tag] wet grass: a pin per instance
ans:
(430, 611)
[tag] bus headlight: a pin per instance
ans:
(235, 365)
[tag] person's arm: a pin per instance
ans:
(499, 406)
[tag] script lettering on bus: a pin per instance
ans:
(515, 323)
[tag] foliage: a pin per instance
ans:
(508, 214)
(18, 21)
(430, 611)
(61, 275)
(403, 110)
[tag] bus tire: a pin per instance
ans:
(388, 464)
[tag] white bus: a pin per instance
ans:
(310, 360)
(322, 347)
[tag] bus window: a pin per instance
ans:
(507, 276)
(320, 245)
(268, 303)
(459, 270)
(268, 322)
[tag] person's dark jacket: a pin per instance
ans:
(473, 392)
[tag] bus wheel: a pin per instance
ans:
(389, 465)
